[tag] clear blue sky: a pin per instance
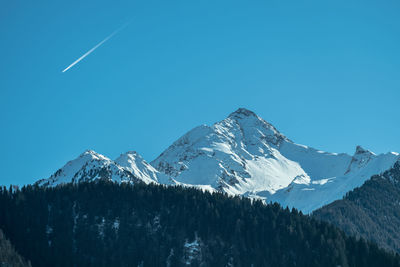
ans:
(325, 73)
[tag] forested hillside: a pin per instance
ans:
(371, 211)
(8, 256)
(106, 224)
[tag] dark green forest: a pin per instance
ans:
(107, 224)
(371, 211)
(8, 256)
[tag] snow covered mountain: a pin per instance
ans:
(246, 155)
(321, 190)
(89, 166)
(242, 154)
(237, 155)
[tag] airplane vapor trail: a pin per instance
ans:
(95, 47)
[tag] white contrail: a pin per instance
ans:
(95, 47)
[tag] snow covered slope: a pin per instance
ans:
(90, 166)
(242, 154)
(322, 190)
(237, 155)
(135, 164)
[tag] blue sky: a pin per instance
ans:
(325, 73)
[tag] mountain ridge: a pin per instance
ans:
(241, 155)
(371, 211)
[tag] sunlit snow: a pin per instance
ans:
(242, 154)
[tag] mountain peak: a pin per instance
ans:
(132, 153)
(360, 159)
(243, 112)
(360, 150)
(134, 163)
(91, 154)
(252, 125)
(128, 156)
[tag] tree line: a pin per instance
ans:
(108, 224)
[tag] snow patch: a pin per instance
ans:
(191, 251)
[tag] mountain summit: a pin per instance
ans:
(237, 155)
(242, 154)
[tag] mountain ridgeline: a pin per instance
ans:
(240, 155)
(103, 223)
(371, 211)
